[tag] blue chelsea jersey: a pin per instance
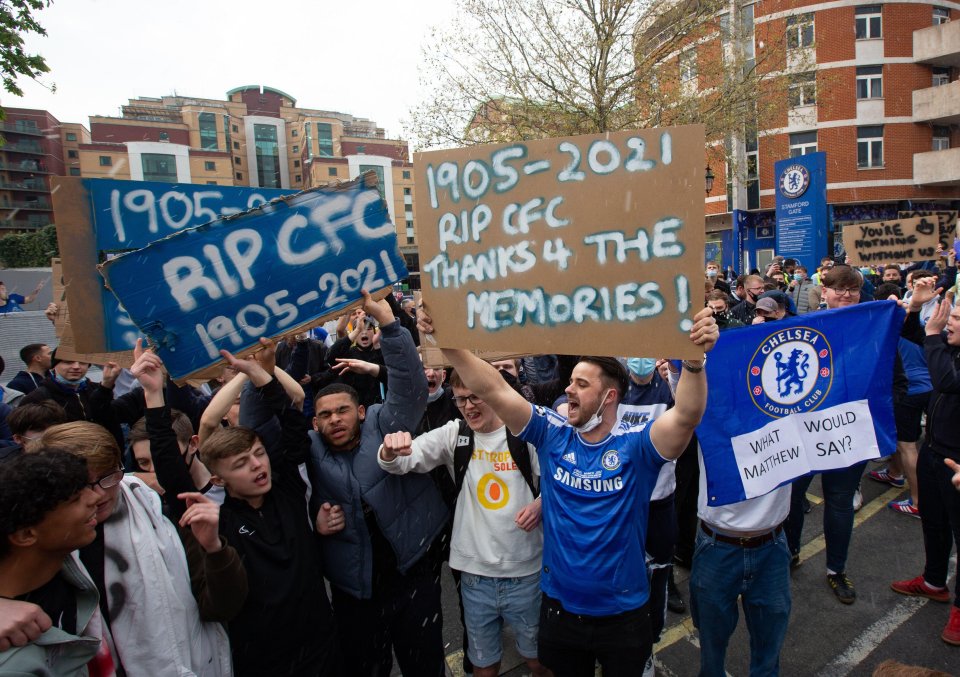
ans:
(596, 500)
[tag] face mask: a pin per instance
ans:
(753, 297)
(594, 420)
(641, 366)
(798, 276)
(866, 271)
(67, 382)
(711, 273)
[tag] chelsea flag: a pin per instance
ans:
(800, 395)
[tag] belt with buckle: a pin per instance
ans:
(743, 542)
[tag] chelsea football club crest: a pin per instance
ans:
(611, 459)
(791, 372)
(794, 181)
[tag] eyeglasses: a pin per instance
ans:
(844, 292)
(111, 479)
(462, 401)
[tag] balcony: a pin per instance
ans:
(938, 105)
(23, 224)
(36, 186)
(33, 148)
(41, 205)
(938, 45)
(937, 168)
(20, 129)
(29, 166)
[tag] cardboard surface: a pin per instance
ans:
(283, 267)
(947, 221)
(433, 357)
(582, 245)
(880, 242)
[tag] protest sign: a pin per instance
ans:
(280, 268)
(580, 245)
(946, 219)
(801, 200)
(796, 396)
(100, 218)
(879, 242)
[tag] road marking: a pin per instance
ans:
(870, 639)
(684, 629)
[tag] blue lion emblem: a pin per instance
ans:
(791, 373)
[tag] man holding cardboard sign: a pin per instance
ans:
(596, 490)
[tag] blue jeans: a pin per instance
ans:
(488, 602)
(761, 576)
(838, 489)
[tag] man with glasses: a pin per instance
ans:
(496, 542)
(377, 529)
(746, 310)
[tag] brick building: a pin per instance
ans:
(874, 86)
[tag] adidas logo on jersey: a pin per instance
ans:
(570, 457)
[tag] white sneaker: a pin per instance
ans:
(648, 669)
(857, 500)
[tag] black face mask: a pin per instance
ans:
(753, 297)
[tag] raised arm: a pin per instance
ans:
(672, 430)
(222, 400)
(485, 381)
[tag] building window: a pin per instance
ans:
(803, 90)
(378, 170)
(72, 154)
(236, 160)
(226, 132)
(331, 171)
(325, 139)
(208, 131)
(800, 31)
(71, 136)
(296, 163)
(158, 167)
(688, 66)
(294, 133)
(239, 176)
(406, 191)
(268, 155)
(297, 178)
(941, 15)
(941, 76)
(106, 161)
(236, 145)
(210, 166)
(870, 147)
(803, 143)
(869, 82)
(164, 136)
(747, 33)
(211, 183)
(410, 232)
(941, 138)
(869, 22)
(74, 171)
(296, 149)
(236, 130)
(406, 173)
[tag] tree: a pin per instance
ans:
(510, 70)
(16, 19)
(29, 250)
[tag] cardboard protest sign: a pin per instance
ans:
(100, 218)
(279, 268)
(947, 221)
(800, 395)
(880, 242)
(580, 245)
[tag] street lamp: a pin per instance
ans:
(708, 178)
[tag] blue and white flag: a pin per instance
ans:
(797, 396)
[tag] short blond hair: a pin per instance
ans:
(225, 443)
(87, 440)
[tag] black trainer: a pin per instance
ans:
(674, 600)
(842, 587)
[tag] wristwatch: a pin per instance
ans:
(694, 368)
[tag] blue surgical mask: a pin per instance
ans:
(641, 366)
(711, 272)
(798, 276)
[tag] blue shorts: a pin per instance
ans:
(488, 602)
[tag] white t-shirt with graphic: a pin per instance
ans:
(486, 540)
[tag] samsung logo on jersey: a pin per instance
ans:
(587, 484)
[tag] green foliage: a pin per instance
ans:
(29, 250)
(16, 19)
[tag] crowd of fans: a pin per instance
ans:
(151, 528)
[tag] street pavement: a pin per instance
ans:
(825, 637)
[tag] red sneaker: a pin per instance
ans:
(917, 587)
(951, 633)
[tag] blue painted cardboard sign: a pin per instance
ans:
(266, 272)
(128, 215)
(802, 208)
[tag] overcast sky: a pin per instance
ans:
(353, 57)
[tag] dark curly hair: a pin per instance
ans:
(32, 485)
